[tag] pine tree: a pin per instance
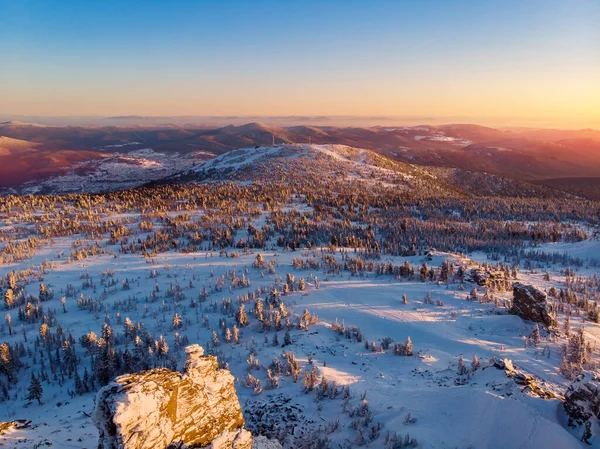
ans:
(240, 316)
(79, 388)
(7, 367)
(258, 309)
(567, 326)
(535, 336)
(565, 369)
(12, 280)
(462, 369)
(408, 347)
(44, 329)
(9, 298)
(271, 380)
(576, 354)
(104, 363)
(9, 323)
(162, 348)
(177, 321)
(35, 390)
(287, 339)
(475, 363)
(236, 334)
(301, 284)
(215, 339)
(45, 294)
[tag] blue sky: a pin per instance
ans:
(300, 57)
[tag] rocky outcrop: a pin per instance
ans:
(489, 277)
(530, 303)
(161, 408)
(582, 404)
(17, 424)
(527, 383)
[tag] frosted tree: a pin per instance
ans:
(104, 362)
(35, 390)
(534, 336)
(576, 353)
(259, 261)
(9, 323)
(258, 309)
(444, 271)
(236, 334)
(45, 293)
(287, 339)
(475, 363)
(462, 369)
(271, 380)
(424, 271)
(240, 317)
(7, 367)
(44, 330)
(9, 298)
(567, 325)
(177, 321)
(162, 348)
(565, 369)
(408, 347)
(215, 339)
(128, 328)
(301, 284)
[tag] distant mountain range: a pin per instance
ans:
(31, 155)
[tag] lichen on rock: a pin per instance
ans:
(161, 408)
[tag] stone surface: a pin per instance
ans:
(530, 303)
(161, 408)
(486, 277)
(526, 382)
(17, 424)
(582, 404)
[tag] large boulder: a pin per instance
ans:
(530, 303)
(582, 404)
(161, 408)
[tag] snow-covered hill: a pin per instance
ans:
(309, 163)
(114, 171)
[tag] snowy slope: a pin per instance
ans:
(487, 411)
(114, 171)
(319, 162)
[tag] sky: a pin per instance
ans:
(519, 60)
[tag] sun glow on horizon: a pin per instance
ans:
(515, 61)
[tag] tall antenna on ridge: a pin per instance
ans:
(273, 136)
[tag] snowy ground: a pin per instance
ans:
(484, 411)
(117, 171)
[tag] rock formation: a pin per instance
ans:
(161, 408)
(489, 278)
(531, 304)
(17, 424)
(582, 403)
(527, 382)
